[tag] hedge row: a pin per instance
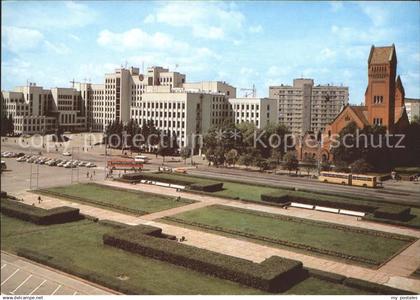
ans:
(391, 212)
(276, 197)
(101, 279)
(275, 274)
(38, 215)
(357, 283)
(137, 212)
(204, 185)
(318, 223)
(374, 287)
(398, 213)
(391, 222)
(278, 241)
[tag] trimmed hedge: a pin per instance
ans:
(392, 222)
(38, 215)
(328, 276)
(275, 274)
(209, 187)
(398, 213)
(374, 287)
(204, 184)
(276, 197)
(101, 279)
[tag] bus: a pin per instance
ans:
(335, 177)
(124, 165)
(363, 180)
(141, 158)
(348, 179)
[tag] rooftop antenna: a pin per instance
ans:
(250, 92)
(72, 83)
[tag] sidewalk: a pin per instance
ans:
(394, 273)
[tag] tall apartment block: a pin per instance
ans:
(305, 107)
(259, 111)
(38, 110)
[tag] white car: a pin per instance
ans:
(90, 165)
(66, 153)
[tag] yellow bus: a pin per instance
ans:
(363, 180)
(335, 177)
(348, 179)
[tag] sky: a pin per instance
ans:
(240, 42)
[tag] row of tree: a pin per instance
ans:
(376, 151)
(7, 125)
(229, 144)
(145, 138)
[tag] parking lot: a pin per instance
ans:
(21, 277)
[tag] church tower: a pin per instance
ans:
(381, 91)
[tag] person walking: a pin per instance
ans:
(87, 174)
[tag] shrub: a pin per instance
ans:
(101, 279)
(392, 222)
(374, 287)
(274, 274)
(276, 197)
(207, 187)
(399, 213)
(38, 215)
(3, 194)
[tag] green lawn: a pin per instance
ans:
(301, 231)
(109, 196)
(79, 245)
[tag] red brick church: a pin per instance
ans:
(384, 103)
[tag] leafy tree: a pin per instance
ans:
(310, 164)
(246, 159)
(360, 166)
(341, 166)
(326, 166)
(185, 153)
(291, 162)
(261, 163)
(232, 157)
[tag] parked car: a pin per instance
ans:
(90, 165)
(66, 153)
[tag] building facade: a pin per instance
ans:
(412, 107)
(384, 99)
(259, 111)
(305, 107)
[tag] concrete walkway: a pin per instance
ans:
(394, 273)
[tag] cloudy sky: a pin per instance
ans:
(243, 43)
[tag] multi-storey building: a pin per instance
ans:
(305, 107)
(29, 107)
(412, 107)
(183, 112)
(259, 111)
(68, 108)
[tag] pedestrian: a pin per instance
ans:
(39, 200)
(91, 177)
(94, 173)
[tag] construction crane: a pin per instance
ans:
(73, 82)
(250, 92)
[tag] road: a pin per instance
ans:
(18, 179)
(23, 277)
(411, 195)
